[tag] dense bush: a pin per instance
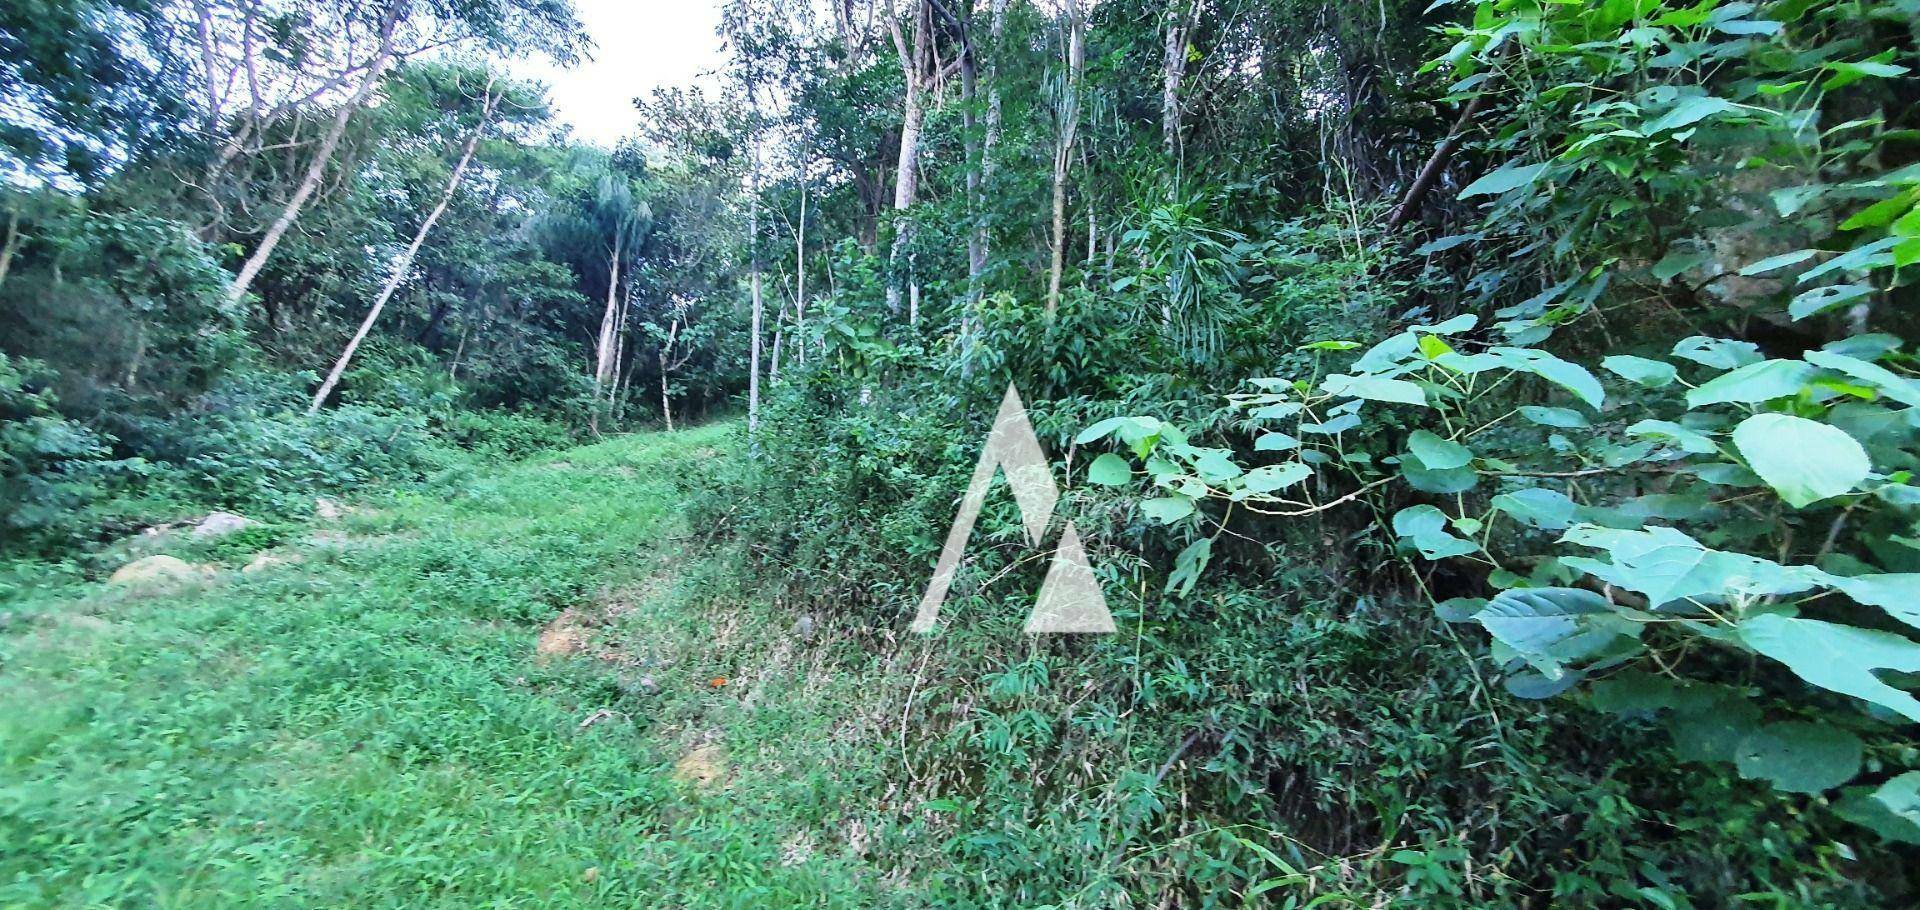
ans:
(51, 468)
(1286, 690)
(498, 434)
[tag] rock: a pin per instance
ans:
(264, 561)
(159, 571)
(147, 542)
(701, 767)
(220, 524)
(327, 509)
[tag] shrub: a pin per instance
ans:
(51, 468)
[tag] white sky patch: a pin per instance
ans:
(639, 45)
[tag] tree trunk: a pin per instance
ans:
(773, 357)
(969, 130)
(1179, 18)
(139, 354)
(1436, 165)
(759, 304)
(603, 346)
(1063, 148)
(619, 355)
(315, 169)
(12, 245)
(913, 118)
(800, 269)
(666, 356)
(666, 403)
(405, 264)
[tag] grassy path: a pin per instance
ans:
(371, 727)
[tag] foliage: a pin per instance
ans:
(1787, 453)
(51, 468)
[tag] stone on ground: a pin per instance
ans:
(220, 524)
(264, 561)
(159, 571)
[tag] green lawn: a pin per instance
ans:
(371, 727)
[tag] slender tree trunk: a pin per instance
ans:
(913, 118)
(139, 355)
(904, 190)
(603, 345)
(996, 26)
(459, 351)
(800, 269)
(1436, 165)
(12, 245)
(1179, 20)
(209, 69)
(666, 356)
(1063, 148)
(970, 134)
(619, 355)
(321, 157)
(405, 264)
(666, 403)
(773, 358)
(754, 282)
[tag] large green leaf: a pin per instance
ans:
(1561, 418)
(1532, 621)
(1428, 480)
(1841, 658)
(1549, 510)
(1690, 441)
(1572, 377)
(1898, 594)
(1109, 470)
(1669, 566)
(1894, 386)
(1691, 111)
(1800, 757)
(1774, 263)
(1807, 303)
(1426, 528)
(1803, 460)
(1755, 382)
(1436, 452)
(1375, 388)
(1719, 353)
(1275, 442)
(1269, 478)
(1509, 176)
(1650, 373)
(1168, 509)
(1892, 810)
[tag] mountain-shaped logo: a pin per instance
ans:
(1070, 598)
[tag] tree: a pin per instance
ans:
(487, 101)
(919, 73)
(1066, 126)
(399, 29)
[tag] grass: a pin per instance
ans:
(371, 726)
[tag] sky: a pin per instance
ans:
(639, 45)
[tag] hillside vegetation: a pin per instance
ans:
(1491, 425)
